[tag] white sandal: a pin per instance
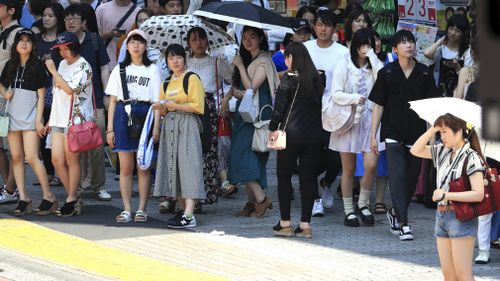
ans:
(124, 217)
(141, 216)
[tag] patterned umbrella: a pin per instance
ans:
(162, 31)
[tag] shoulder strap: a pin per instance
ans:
(466, 162)
(5, 34)
(95, 45)
(185, 82)
(293, 101)
(262, 3)
(123, 77)
(121, 22)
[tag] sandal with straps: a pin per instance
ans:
(124, 217)
(380, 208)
(141, 216)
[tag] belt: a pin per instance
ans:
(133, 102)
(445, 208)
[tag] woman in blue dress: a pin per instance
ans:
(254, 69)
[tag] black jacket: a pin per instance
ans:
(304, 124)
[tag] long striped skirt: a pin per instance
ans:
(179, 170)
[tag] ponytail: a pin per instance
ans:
(473, 138)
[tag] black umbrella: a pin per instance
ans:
(244, 13)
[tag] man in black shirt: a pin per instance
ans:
(397, 84)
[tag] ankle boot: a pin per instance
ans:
(261, 208)
(247, 210)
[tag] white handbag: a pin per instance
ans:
(261, 132)
(248, 108)
(337, 119)
(280, 142)
(4, 121)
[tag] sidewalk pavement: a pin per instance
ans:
(223, 247)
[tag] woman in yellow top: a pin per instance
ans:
(179, 172)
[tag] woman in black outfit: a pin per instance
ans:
(53, 25)
(304, 136)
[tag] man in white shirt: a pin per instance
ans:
(325, 54)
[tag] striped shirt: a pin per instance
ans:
(451, 169)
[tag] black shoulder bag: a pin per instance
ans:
(135, 122)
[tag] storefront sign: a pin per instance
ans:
(425, 36)
(417, 10)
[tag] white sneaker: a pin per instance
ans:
(6, 197)
(103, 195)
(327, 197)
(318, 210)
(405, 233)
(483, 257)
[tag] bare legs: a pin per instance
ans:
(455, 255)
(67, 165)
(25, 145)
(127, 163)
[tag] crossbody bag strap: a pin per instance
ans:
(219, 101)
(121, 22)
(453, 165)
(291, 106)
(123, 77)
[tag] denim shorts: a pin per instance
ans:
(61, 130)
(448, 226)
(123, 141)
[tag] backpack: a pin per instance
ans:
(185, 82)
(4, 35)
(206, 132)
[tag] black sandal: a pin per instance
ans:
(23, 208)
(353, 222)
(279, 230)
(366, 219)
(380, 208)
(70, 209)
(302, 233)
(47, 208)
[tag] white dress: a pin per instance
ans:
(348, 85)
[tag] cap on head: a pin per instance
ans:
(136, 32)
(26, 32)
(300, 24)
(66, 38)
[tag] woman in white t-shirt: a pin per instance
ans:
(211, 70)
(460, 146)
(143, 85)
(72, 92)
(450, 54)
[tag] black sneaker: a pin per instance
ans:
(393, 221)
(181, 222)
(405, 233)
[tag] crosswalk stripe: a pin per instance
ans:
(92, 257)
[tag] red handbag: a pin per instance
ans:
(85, 136)
(491, 202)
(223, 126)
(223, 123)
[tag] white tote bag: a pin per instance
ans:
(248, 108)
(4, 121)
(261, 132)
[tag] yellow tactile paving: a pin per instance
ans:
(88, 256)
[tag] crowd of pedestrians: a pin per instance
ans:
(99, 67)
